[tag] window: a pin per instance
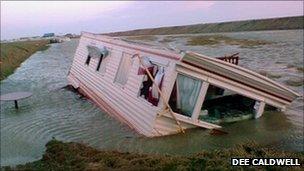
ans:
(96, 52)
(123, 69)
(185, 94)
(148, 90)
(200, 100)
(223, 105)
(87, 62)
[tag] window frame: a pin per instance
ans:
(158, 64)
(201, 95)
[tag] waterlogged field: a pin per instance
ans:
(53, 112)
(12, 54)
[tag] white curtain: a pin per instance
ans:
(124, 69)
(158, 79)
(187, 93)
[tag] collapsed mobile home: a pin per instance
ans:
(159, 91)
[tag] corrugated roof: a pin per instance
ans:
(240, 75)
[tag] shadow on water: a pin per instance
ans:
(60, 113)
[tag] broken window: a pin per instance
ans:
(198, 99)
(223, 105)
(185, 94)
(123, 69)
(96, 52)
(148, 90)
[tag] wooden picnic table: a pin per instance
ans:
(15, 96)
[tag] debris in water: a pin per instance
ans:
(217, 132)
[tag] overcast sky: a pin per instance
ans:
(20, 19)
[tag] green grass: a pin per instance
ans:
(142, 38)
(218, 39)
(204, 40)
(167, 39)
(285, 23)
(300, 69)
(274, 76)
(295, 82)
(75, 156)
(14, 53)
(270, 75)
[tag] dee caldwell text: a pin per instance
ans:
(265, 162)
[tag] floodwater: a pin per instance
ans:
(53, 112)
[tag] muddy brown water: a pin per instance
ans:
(62, 114)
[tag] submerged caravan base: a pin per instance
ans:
(159, 91)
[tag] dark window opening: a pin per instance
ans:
(88, 60)
(146, 84)
(147, 89)
(222, 105)
(173, 99)
(99, 62)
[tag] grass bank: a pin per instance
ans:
(75, 156)
(143, 38)
(14, 53)
(285, 23)
(218, 39)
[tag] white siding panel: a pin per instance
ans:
(123, 99)
(88, 77)
(166, 125)
(137, 116)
